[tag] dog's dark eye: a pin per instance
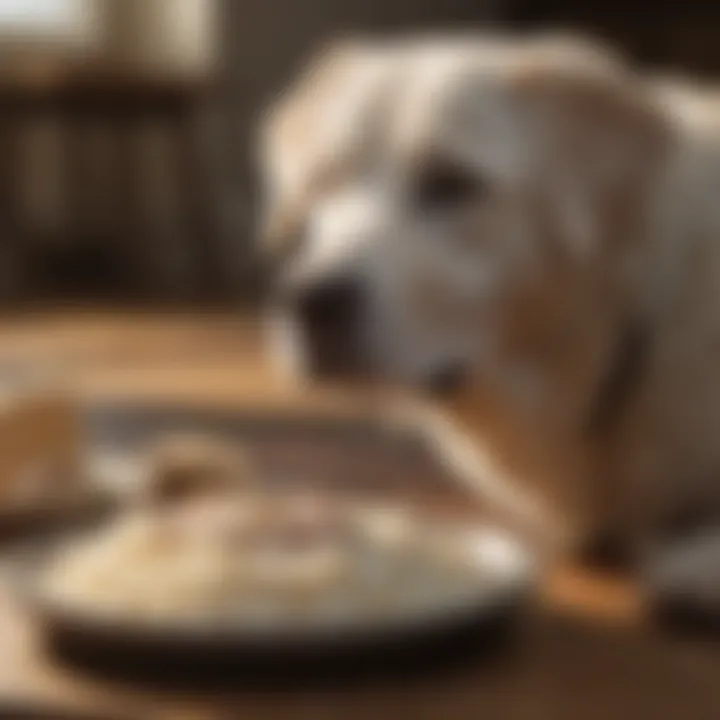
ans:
(444, 186)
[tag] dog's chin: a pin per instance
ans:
(445, 382)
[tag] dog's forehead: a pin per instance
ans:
(450, 98)
(401, 103)
(403, 99)
(457, 101)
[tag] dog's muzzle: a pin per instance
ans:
(330, 315)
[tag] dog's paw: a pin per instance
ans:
(682, 581)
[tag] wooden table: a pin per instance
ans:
(588, 653)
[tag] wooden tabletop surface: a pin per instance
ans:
(587, 653)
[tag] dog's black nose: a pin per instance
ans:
(332, 316)
(331, 303)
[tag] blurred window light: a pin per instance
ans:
(24, 13)
(62, 19)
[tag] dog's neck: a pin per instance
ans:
(622, 379)
(651, 285)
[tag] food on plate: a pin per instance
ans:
(271, 562)
(185, 466)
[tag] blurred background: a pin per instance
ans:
(127, 189)
(125, 165)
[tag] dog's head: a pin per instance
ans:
(432, 204)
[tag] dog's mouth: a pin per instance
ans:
(351, 367)
(331, 361)
(332, 351)
(446, 381)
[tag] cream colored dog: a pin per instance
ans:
(532, 231)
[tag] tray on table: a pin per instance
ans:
(361, 455)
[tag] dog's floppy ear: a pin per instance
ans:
(287, 132)
(290, 118)
(603, 141)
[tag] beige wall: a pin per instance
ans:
(173, 36)
(169, 35)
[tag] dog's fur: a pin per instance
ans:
(580, 289)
